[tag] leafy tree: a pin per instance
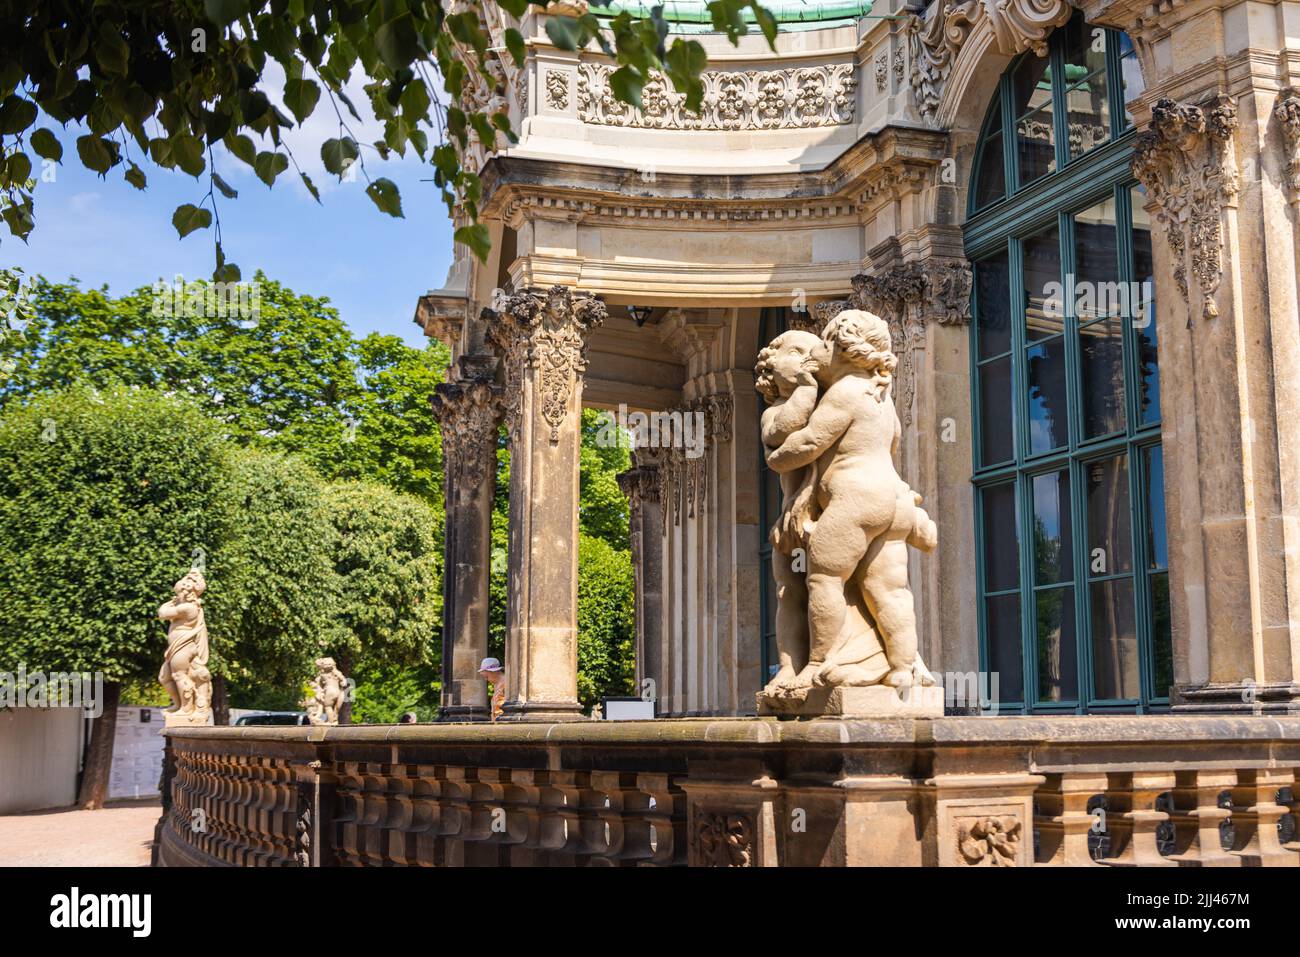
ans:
(388, 564)
(385, 691)
(103, 500)
(603, 508)
(169, 81)
(606, 620)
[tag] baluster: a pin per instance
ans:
(1255, 814)
(1133, 817)
(1063, 820)
(1197, 817)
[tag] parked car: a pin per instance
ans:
(272, 717)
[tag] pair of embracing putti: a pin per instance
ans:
(845, 616)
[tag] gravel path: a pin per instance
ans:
(119, 835)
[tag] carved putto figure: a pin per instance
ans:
(328, 691)
(184, 674)
(845, 616)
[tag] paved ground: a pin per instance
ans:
(116, 836)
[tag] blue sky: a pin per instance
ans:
(371, 266)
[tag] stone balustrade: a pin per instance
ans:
(960, 791)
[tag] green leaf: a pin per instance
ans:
(111, 51)
(222, 12)
(515, 44)
(242, 147)
(626, 84)
(97, 153)
(189, 217)
(161, 152)
(415, 102)
(386, 196)
(16, 114)
(477, 238)
(311, 187)
(766, 23)
(684, 63)
(516, 8)
(563, 32)
(270, 165)
(225, 272)
(301, 97)
(18, 168)
(187, 153)
(397, 42)
(338, 154)
(135, 176)
(226, 189)
(46, 145)
(19, 219)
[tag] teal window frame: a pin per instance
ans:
(1002, 226)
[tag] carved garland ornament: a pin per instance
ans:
(990, 841)
(935, 38)
(546, 334)
(557, 90)
(1187, 163)
(751, 100)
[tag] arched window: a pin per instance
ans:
(1070, 518)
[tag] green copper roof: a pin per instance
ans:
(692, 16)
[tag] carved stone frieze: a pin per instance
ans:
(1187, 162)
(936, 37)
(723, 840)
(796, 98)
(548, 335)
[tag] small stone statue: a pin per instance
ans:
(845, 615)
(329, 690)
(184, 673)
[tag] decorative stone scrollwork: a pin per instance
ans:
(723, 840)
(797, 98)
(990, 841)
(546, 334)
(1187, 163)
(557, 90)
(468, 411)
(935, 38)
(1287, 112)
(882, 72)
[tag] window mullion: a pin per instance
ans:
(1060, 122)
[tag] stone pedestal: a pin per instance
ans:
(468, 410)
(541, 343)
(876, 701)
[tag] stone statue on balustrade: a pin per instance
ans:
(845, 625)
(184, 674)
(329, 689)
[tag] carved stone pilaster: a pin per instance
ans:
(1287, 113)
(547, 334)
(1187, 162)
(935, 38)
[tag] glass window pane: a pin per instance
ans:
(1048, 413)
(1053, 543)
(1110, 548)
(992, 184)
(1101, 359)
(1058, 670)
(1131, 72)
(997, 433)
(1114, 641)
(1084, 49)
(1032, 84)
(1097, 291)
(1157, 542)
(1001, 541)
(1144, 313)
(1087, 114)
(1162, 645)
(1035, 145)
(993, 306)
(1044, 289)
(1006, 665)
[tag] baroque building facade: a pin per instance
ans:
(1079, 224)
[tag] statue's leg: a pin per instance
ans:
(791, 619)
(890, 601)
(835, 547)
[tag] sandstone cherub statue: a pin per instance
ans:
(184, 674)
(329, 690)
(866, 514)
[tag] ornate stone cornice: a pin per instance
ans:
(546, 333)
(1187, 162)
(468, 411)
(794, 98)
(935, 38)
(441, 314)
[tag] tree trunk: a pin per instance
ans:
(345, 711)
(99, 752)
(220, 703)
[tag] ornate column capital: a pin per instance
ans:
(468, 411)
(547, 334)
(1187, 163)
(1287, 113)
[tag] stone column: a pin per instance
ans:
(468, 410)
(542, 343)
(641, 486)
(1217, 160)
